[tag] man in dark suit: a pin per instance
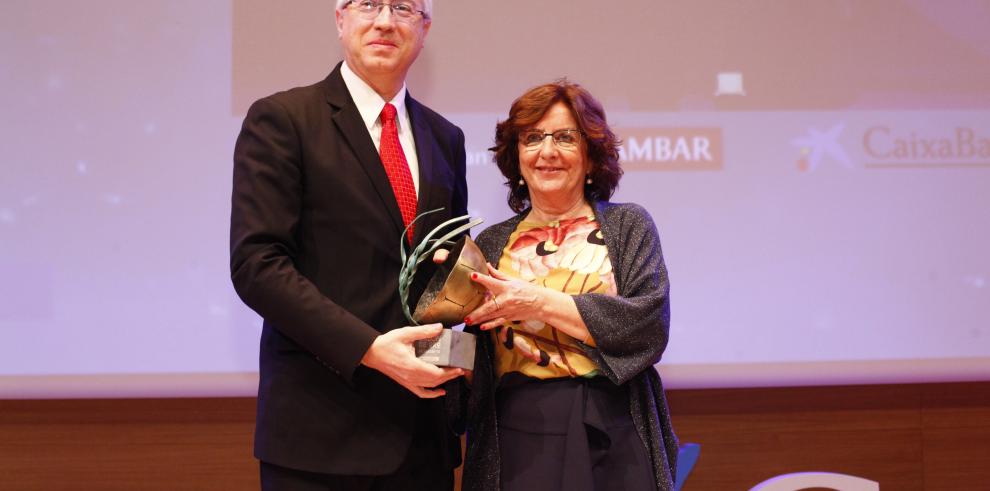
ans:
(316, 223)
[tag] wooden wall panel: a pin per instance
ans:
(167, 444)
(956, 437)
(907, 437)
(749, 435)
(957, 458)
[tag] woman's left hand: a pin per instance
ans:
(508, 299)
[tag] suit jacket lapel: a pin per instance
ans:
(424, 153)
(348, 120)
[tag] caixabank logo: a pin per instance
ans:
(818, 145)
(671, 148)
(888, 146)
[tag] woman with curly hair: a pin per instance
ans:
(564, 392)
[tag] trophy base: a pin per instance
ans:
(449, 349)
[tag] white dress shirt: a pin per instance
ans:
(370, 105)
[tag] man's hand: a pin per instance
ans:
(440, 255)
(394, 355)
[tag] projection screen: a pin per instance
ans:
(819, 172)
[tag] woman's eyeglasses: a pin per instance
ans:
(568, 139)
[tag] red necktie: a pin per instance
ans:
(396, 167)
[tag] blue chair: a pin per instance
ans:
(687, 456)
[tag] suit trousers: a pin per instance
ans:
(422, 469)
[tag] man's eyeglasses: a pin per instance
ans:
(568, 139)
(403, 11)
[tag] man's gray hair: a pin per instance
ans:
(427, 6)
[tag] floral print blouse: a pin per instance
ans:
(568, 256)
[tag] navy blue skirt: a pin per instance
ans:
(572, 434)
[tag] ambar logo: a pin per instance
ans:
(671, 148)
(893, 147)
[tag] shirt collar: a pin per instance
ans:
(368, 102)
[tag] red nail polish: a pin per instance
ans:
(467, 320)
(474, 276)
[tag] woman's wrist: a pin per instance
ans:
(560, 311)
(549, 305)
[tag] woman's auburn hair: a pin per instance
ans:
(601, 144)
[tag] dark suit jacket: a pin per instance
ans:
(315, 233)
